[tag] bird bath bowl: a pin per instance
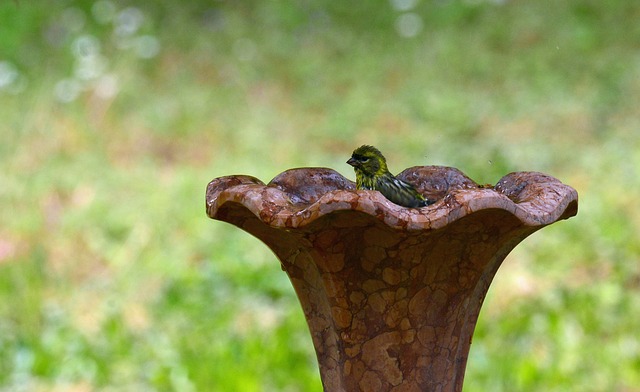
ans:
(391, 295)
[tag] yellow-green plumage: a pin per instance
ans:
(372, 173)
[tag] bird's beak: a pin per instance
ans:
(352, 162)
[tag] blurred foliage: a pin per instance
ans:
(117, 114)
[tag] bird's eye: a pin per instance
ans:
(364, 160)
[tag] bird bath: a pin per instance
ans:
(391, 295)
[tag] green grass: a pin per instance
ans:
(113, 278)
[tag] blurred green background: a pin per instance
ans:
(115, 115)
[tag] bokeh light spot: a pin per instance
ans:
(90, 67)
(85, 46)
(129, 20)
(107, 86)
(8, 74)
(408, 25)
(403, 5)
(147, 46)
(67, 90)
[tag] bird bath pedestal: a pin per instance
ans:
(391, 294)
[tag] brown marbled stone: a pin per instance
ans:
(391, 294)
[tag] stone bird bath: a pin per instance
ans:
(391, 295)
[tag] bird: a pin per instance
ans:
(372, 173)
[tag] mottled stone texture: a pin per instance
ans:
(391, 295)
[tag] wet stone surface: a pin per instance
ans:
(391, 295)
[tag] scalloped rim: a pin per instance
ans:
(539, 200)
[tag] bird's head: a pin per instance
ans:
(368, 160)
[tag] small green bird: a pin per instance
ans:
(372, 173)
